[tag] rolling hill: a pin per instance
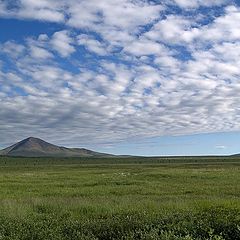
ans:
(35, 147)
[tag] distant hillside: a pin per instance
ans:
(35, 147)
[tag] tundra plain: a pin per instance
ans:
(126, 198)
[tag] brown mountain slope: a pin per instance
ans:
(35, 147)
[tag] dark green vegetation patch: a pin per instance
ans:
(137, 198)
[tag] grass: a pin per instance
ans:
(137, 198)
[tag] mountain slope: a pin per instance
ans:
(35, 147)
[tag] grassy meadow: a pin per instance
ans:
(128, 198)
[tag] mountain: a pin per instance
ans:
(35, 147)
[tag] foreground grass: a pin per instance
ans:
(120, 199)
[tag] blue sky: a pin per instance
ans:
(103, 75)
(187, 145)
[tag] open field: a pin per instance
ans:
(138, 198)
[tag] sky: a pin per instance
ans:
(142, 77)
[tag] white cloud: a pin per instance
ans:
(220, 147)
(174, 30)
(12, 49)
(177, 29)
(92, 44)
(142, 47)
(62, 43)
(141, 74)
(41, 53)
(224, 28)
(120, 14)
(44, 10)
(198, 3)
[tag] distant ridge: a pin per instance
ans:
(35, 147)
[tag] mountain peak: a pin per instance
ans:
(36, 147)
(32, 139)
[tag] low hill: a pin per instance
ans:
(35, 147)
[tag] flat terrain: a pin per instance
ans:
(133, 198)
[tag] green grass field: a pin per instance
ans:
(139, 198)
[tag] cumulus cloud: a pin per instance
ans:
(142, 47)
(92, 44)
(38, 52)
(198, 3)
(224, 28)
(12, 49)
(121, 14)
(174, 30)
(62, 43)
(138, 70)
(44, 10)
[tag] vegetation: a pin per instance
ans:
(131, 198)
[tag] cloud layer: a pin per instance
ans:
(121, 69)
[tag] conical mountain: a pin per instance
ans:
(35, 147)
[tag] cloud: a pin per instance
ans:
(174, 30)
(127, 69)
(224, 28)
(220, 147)
(198, 3)
(12, 49)
(189, 32)
(43, 10)
(37, 52)
(143, 47)
(122, 14)
(62, 43)
(92, 44)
